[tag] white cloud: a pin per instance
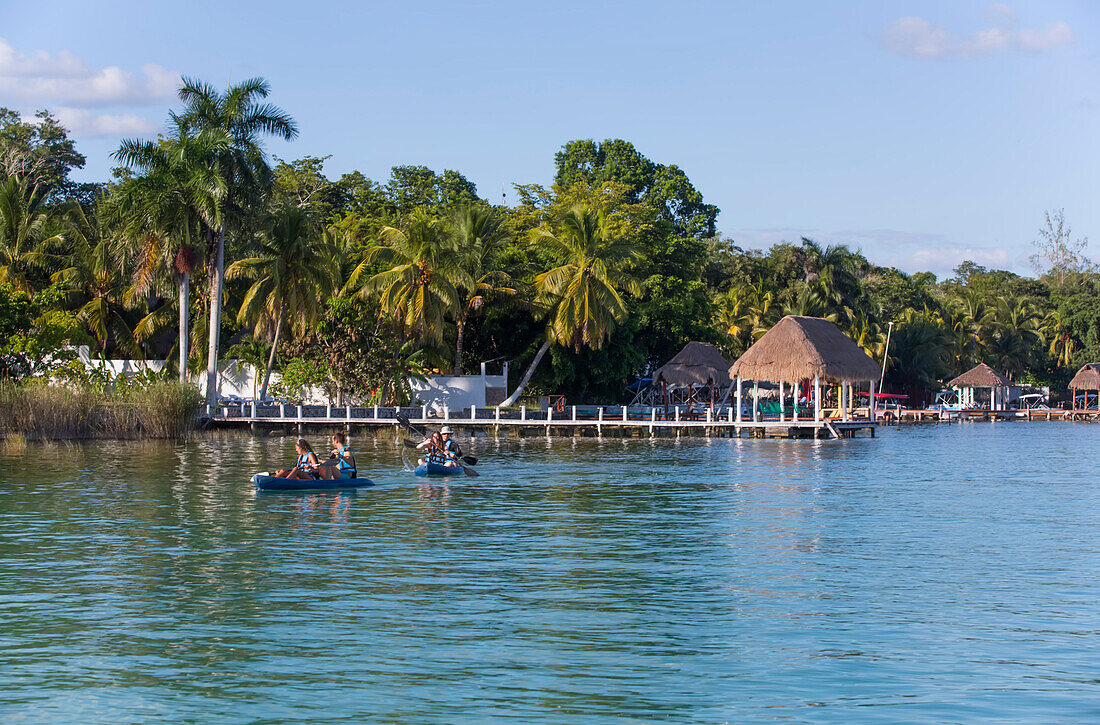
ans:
(83, 123)
(914, 37)
(42, 78)
(942, 260)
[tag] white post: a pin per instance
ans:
(328, 410)
(473, 412)
(755, 401)
(624, 413)
(730, 415)
(709, 412)
(446, 412)
(817, 399)
(782, 412)
(498, 413)
(253, 408)
(574, 414)
(282, 410)
(242, 410)
(423, 412)
(677, 414)
(652, 415)
(375, 412)
(601, 413)
(738, 398)
(549, 416)
(523, 412)
(871, 405)
(347, 412)
(794, 409)
(844, 401)
(299, 412)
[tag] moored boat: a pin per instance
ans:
(274, 483)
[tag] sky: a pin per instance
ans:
(923, 133)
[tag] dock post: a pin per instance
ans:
(473, 412)
(624, 413)
(677, 416)
(549, 419)
(282, 410)
(738, 398)
(844, 401)
(782, 411)
(871, 406)
(328, 410)
(376, 412)
(423, 412)
(652, 420)
(601, 414)
(817, 398)
(574, 414)
(523, 412)
(498, 413)
(755, 401)
(253, 409)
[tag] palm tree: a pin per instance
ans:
(1062, 344)
(254, 353)
(581, 296)
(95, 273)
(421, 286)
(26, 233)
(293, 273)
(479, 235)
(242, 119)
(164, 211)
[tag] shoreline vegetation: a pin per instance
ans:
(202, 247)
(37, 411)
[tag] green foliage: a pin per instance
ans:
(40, 151)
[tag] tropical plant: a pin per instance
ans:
(240, 119)
(581, 295)
(421, 286)
(479, 236)
(394, 386)
(292, 274)
(27, 233)
(255, 353)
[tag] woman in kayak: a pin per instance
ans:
(440, 451)
(341, 464)
(304, 466)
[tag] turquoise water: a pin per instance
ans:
(937, 573)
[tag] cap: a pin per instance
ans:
(445, 429)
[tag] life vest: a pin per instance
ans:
(347, 470)
(436, 454)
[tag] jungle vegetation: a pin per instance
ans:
(202, 243)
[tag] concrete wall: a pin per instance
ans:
(459, 392)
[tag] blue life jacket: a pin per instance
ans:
(347, 470)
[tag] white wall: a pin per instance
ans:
(455, 392)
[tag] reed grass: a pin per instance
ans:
(164, 409)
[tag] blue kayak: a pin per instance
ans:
(274, 483)
(436, 469)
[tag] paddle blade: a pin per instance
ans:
(470, 460)
(470, 472)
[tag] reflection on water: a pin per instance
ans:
(935, 573)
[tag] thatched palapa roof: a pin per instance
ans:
(802, 348)
(980, 376)
(1087, 378)
(699, 363)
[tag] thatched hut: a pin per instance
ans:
(699, 364)
(1087, 378)
(803, 349)
(980, 377)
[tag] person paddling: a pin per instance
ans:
(438, 451)
(342, 462)
(304, 466)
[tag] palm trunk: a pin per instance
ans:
(511, 399)
(215, 319)
(185, 319)
(271, 355)
(461, 324)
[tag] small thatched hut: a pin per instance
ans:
(1087, 378)
(802, 349)
(698, 364)
(982, 376)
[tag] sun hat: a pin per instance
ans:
(445, 429)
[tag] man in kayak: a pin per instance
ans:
(441, 450)
(342, 463)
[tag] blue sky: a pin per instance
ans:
(923, 133)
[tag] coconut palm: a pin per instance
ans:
(294, 271)
(94, 273)
(27, 233)
(581, 296)
(479, 236)
(164, 212)
(421, 286)
(242, 119)
(1060, 340)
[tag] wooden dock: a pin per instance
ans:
(571, 421)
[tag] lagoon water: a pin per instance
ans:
(935, 574)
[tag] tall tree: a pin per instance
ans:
(581, 295)
(420, 287)
(291, 275)
(479, 236)
(163, 213)
(241, 116)
(27, 232)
